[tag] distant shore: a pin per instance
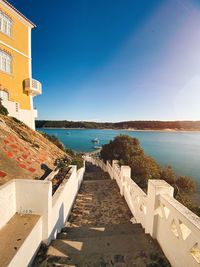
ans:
(128, 129)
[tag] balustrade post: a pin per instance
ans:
(155, 188)
(125, 171)
(114, 162)
(108, 169)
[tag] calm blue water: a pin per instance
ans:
(179, 149)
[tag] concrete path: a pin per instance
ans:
(99, 232)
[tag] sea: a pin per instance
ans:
(181, 150)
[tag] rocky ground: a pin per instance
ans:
(24, 153)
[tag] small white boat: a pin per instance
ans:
(95, 140)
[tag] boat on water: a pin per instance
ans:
(95, 140)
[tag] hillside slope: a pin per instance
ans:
(24, 153)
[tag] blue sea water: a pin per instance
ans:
(179, 149)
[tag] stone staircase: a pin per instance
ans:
(99, 232)
(117, 245)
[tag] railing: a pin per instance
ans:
(110, 169)
(33, 87)
(136, 200)
(117, 174)
(178, 226)
(175, 227)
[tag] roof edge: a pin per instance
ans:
(19, 13)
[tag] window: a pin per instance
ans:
(4, 95)
(5, 24)
(5, 62)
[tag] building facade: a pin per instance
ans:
(17, 88)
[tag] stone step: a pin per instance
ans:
(141, 259)
(115, 244)
(95, 173)
(100, 182)
(94, 231)
(118, 250)
(96, 176)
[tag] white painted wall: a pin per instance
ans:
(26, 116)
(11, 107)
(35, 197)
(63, 200)
(7, 202)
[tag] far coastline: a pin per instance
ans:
(151, 126)
(122, 129)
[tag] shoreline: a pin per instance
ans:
(128, 129)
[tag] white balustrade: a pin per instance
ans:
(175, 227)
(177, 230)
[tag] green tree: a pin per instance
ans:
(127, 151)
(122, 148)
(185, 184)
(167, 173)
(143, 168)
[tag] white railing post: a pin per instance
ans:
(155, 188)
(109, 169)
(114, 162)
(125, 171)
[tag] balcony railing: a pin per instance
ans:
(33, 87)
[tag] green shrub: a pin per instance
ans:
(127, 151)
(196, 210)
(185, 184)
(167, 173)
(143, 168)
(77, 160)
(62, 162)
(122, 148)
(3, 110)
(16, 120)
(54, 140)
(69, 151)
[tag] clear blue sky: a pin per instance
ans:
(114, 60)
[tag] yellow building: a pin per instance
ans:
(17, 88)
